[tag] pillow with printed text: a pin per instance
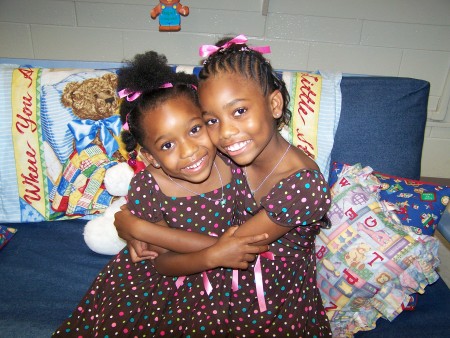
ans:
(417, 204)
(368, 264)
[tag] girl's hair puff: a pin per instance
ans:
(146, 74)
(240, 59)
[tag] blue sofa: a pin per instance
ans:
(46, 268)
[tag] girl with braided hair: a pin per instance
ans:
(188, 193)
(244, 105)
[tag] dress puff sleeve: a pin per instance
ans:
(143, 197)
(299, 200)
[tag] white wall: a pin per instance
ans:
(383, 37)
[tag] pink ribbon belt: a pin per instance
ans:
(258, 280)
(206, 282)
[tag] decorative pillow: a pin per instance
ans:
(47, 116)
(6, 234)
(367, 265)
(418, 204)
(316, 107)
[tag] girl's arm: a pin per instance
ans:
(229, 251)
(234, 249)
(131, 227)
(261, 223)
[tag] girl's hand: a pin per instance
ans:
(140, 251)
(236, 252)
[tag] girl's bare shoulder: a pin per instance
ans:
(299, 160)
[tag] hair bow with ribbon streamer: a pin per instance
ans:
(129, 94)
(85, 131)
(207, 50)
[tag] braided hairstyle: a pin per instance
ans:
(149, 75)
(240, 59)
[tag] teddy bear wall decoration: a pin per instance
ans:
(169, 12)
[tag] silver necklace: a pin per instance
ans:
(276, 165)
(221, 200)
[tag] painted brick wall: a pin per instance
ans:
(385, 37)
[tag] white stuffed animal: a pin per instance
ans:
(118, 178)
(100, 234)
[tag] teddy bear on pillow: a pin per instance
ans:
(94, 103)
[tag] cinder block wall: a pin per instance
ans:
(384, 37)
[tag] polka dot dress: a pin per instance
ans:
(132, 300)
(278, 295)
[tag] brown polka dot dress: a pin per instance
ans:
(278, 295)
(133, 300)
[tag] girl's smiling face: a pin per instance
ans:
(177, 140)
(239, 118)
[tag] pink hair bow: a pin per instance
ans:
(129, 94)
(166, 85)
(207, 50)
(169, 85)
